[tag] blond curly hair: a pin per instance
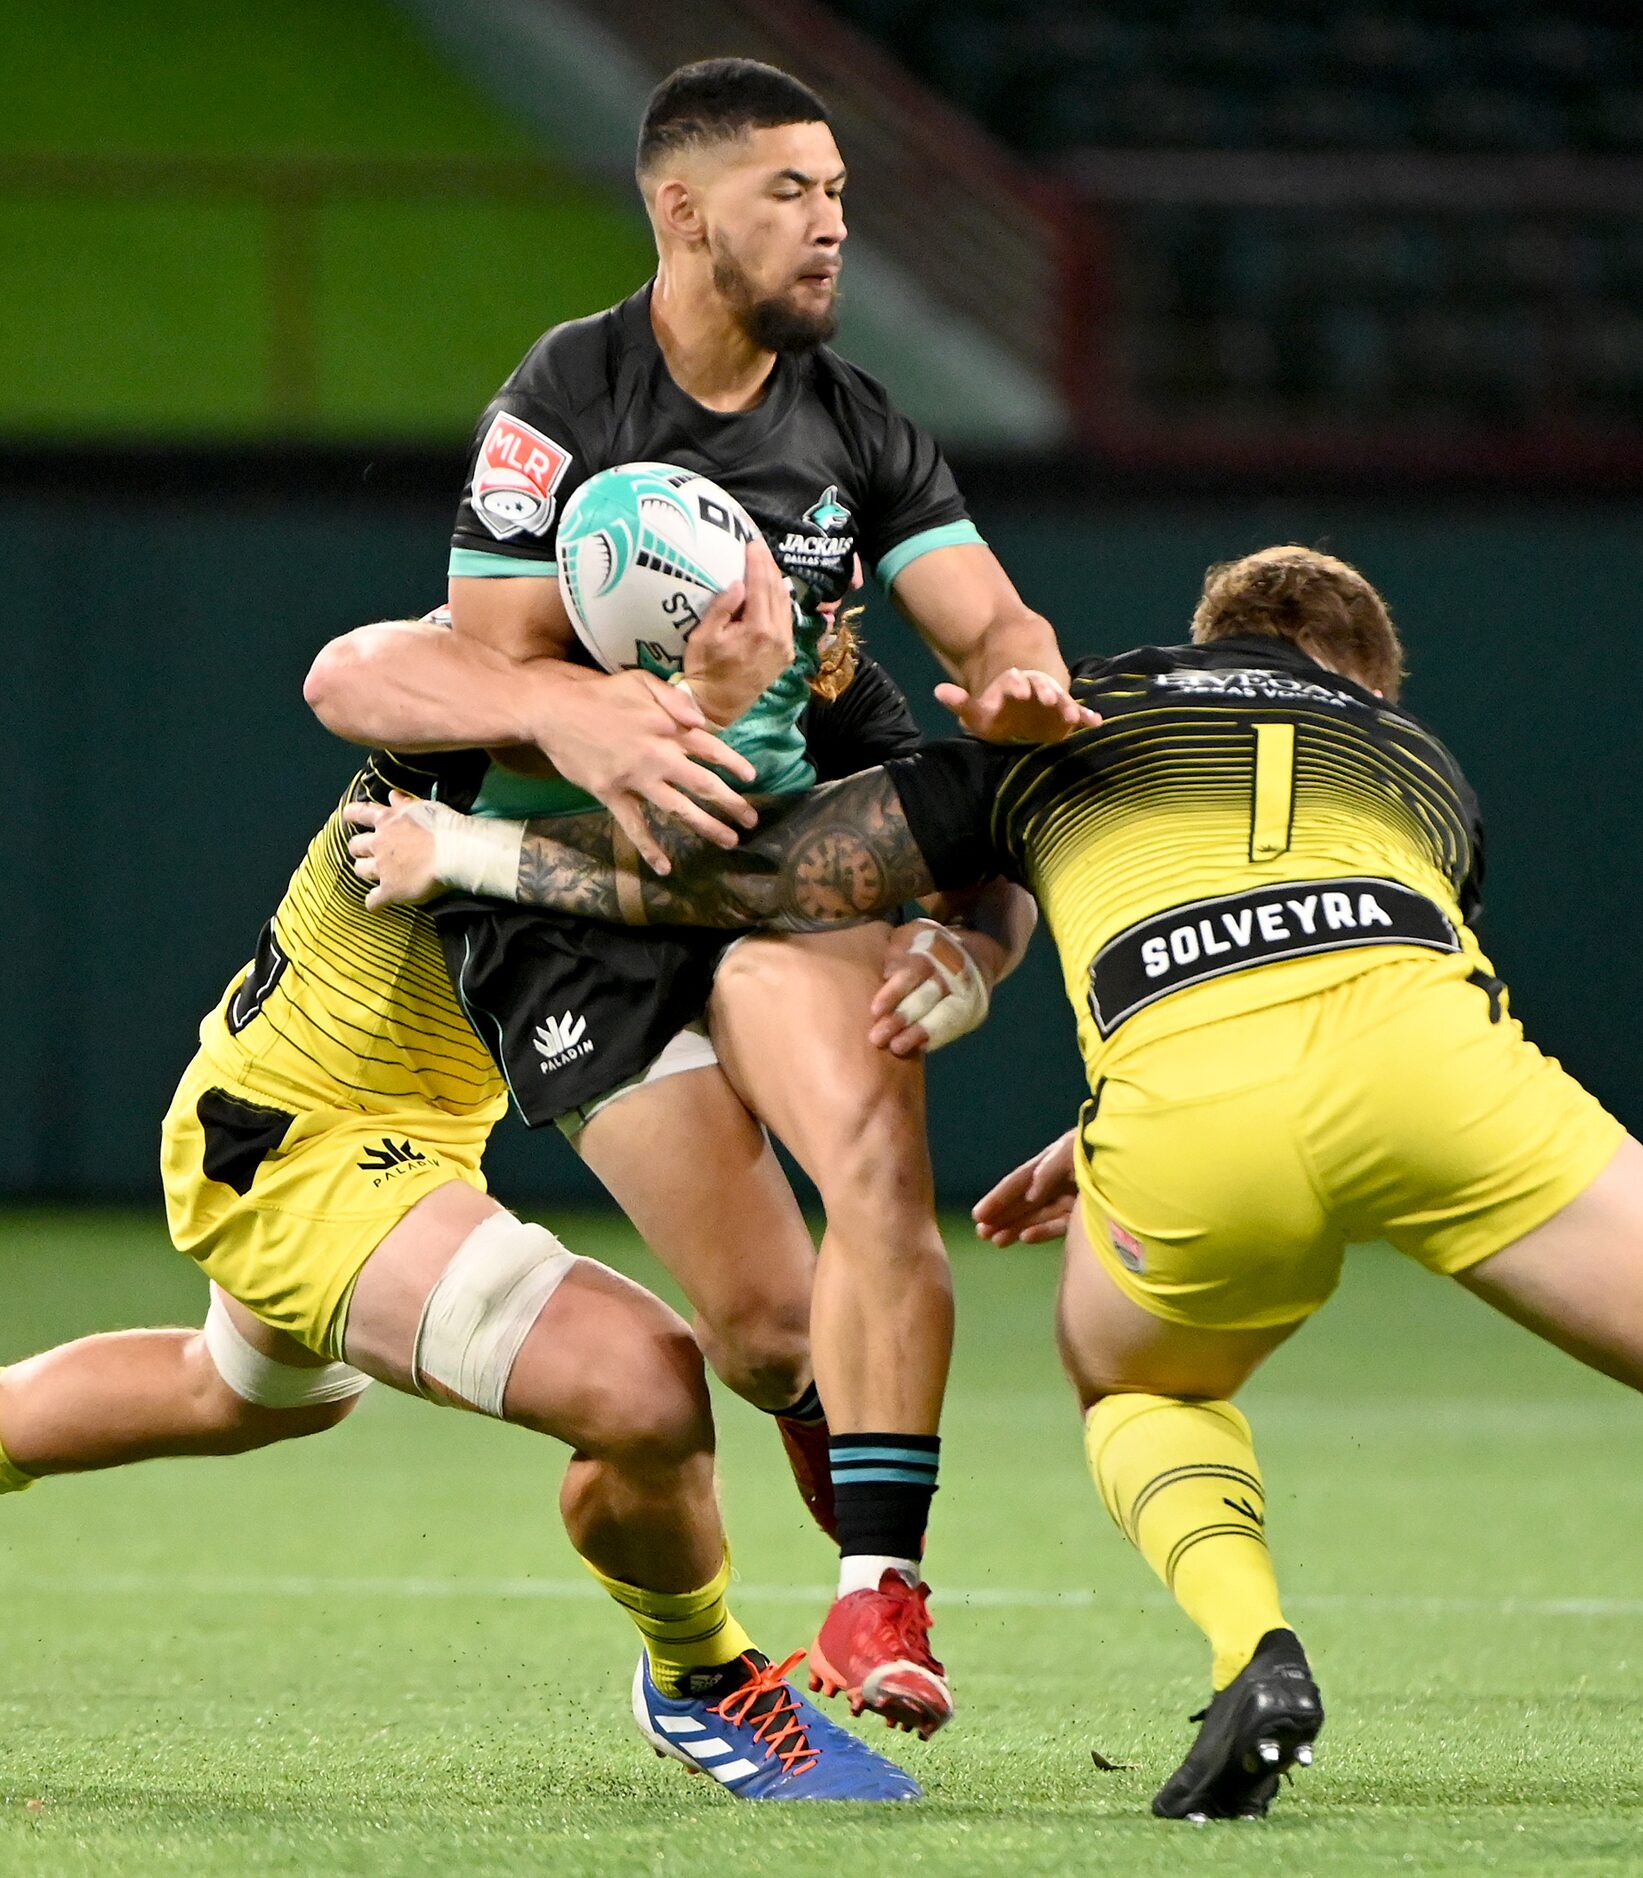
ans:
(838, 654)
(1314, 601)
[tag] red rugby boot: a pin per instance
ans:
(874, 1647)
(812, 1465)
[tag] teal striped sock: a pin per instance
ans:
(882, 1487)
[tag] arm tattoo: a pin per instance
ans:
(830, 857)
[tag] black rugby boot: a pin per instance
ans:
(1260, 1725)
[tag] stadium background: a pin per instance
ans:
(1171, 283)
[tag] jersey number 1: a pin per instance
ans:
(1273, 805)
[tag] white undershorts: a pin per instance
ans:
(690, 1048)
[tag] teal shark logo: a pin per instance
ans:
(829, 514)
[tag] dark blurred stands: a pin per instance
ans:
(1330, 224)
(1485, 77)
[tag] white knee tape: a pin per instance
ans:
(257, 1378)
(480, 1312)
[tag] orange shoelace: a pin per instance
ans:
(779, 1729)
(907, 1623)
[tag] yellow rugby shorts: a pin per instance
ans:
(1224, 1170)
(282, 1205)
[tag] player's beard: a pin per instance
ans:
(771, 321)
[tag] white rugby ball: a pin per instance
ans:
(642, 550)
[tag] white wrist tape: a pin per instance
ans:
(472, 852)
(955, 1000)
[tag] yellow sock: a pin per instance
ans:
(1182, 1484)
(12, 1477)
(683, 1630)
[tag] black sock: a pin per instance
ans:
(882, 1487)
(808, 1408)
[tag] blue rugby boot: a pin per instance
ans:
(749, 1728)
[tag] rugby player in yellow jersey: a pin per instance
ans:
(1258, 872)
(321, 1162)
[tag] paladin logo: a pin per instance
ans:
(390, 1159)
(562, 1040)
(829, 514)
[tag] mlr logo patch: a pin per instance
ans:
(1131, 1253)
(518, 470)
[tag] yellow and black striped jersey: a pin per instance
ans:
(1238, 807)
(342, 1007)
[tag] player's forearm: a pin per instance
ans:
(412, 686)
(1018, 637)
(830, 857)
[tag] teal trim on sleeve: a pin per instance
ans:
(476, 564)
(904, 554)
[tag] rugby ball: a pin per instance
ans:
(642, 550)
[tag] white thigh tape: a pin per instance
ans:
(954, 1001)
(259, 1379)
(475, 854)
(480, 1312)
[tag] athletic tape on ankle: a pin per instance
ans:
(474, 853)
(480, 1312)
(258, 1379)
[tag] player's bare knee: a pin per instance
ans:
(875, 1178)
(649, 1407)
(761, 1349)
(519, 1328)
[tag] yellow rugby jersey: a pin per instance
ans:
(1244, 827)
(344, 1007)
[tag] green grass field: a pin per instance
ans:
(374, 1652)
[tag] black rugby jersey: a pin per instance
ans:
(824, 463)
(1239, 806)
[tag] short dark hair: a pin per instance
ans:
(715, 100)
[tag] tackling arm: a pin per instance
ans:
(412, 685)
(829, 857)
(995, 921)
(632, 741)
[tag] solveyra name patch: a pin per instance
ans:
(1208, 938)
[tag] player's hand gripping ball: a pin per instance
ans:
(642, 550)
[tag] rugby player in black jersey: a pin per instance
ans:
(720, 365)
(1259, 872)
